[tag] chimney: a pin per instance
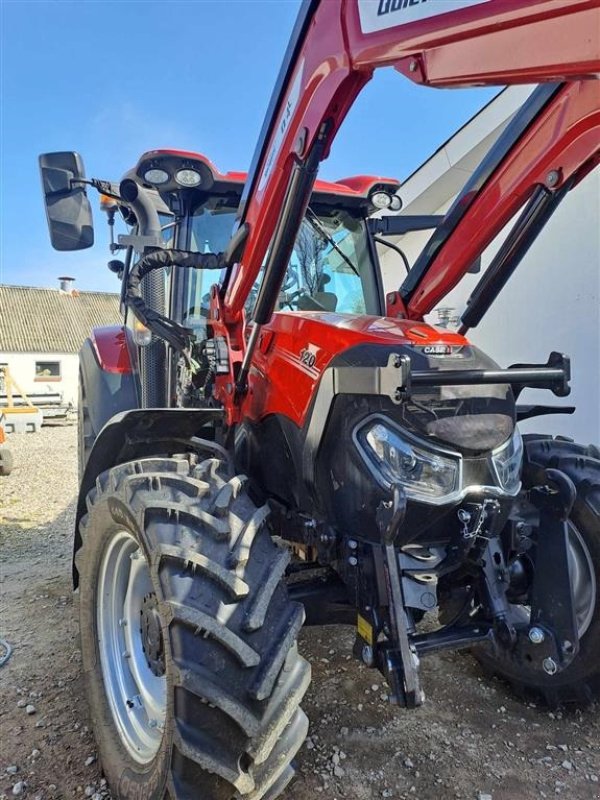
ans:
(65, 284)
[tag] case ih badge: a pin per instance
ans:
(437, 349)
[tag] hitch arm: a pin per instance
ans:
(401, 661)
(552, 602)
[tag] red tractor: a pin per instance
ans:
(286, 444)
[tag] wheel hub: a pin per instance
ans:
(152, 638)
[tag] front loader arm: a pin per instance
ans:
(335, 48)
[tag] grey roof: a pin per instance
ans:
(51, 321)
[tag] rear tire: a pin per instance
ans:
(231, 722)
(580, 682)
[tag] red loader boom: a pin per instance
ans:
(334, 50)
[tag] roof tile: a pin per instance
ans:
(51, 321)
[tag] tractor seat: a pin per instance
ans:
(320, 301)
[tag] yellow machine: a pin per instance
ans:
(24, 418)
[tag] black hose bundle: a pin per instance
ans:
(178, 336)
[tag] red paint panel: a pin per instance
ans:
(495, 42)
(279, 381)
(361, 184)
(111, 348)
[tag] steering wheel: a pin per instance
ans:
(291, 279)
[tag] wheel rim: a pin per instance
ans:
(583, 579)
(135, 689)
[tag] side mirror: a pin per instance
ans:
(68, 208)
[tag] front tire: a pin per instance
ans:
(580, 682)
(213, 666)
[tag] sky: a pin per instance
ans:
(114, 78)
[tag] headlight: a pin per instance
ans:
(188, 177)
(156, 176)
(507, 462)
(426, 475)
(381, 199)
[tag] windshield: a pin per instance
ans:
(211, 226)
(330, 268)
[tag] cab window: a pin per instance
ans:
(210, 231)
(330, 268)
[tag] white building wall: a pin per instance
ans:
(22, 369)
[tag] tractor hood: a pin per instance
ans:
(297, 349)
(472, 419)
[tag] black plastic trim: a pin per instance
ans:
(392, 225)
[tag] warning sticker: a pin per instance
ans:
(364, 629)
(288, 109)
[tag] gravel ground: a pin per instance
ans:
(470, 740)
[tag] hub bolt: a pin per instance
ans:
(352, 544)
(353, 561)
(536, 635)
(550, 666)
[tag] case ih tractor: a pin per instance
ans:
(271, 440)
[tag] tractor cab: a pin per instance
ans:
(177, 202)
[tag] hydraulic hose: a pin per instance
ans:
(178, 336)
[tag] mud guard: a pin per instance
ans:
(141, 433)
(108, 387)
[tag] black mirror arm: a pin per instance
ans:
(392, 225)
(104, 187)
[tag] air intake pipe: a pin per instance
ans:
(153, 357)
